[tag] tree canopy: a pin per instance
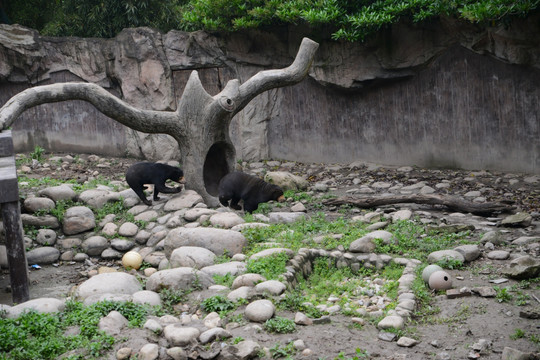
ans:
(352, 20)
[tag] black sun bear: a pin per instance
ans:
(157, 174)
(236, 186)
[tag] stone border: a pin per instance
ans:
(302, 263)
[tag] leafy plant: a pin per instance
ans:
(37, 154)
(280, 325)
(171, 297)
(359, 354)
(295, 301)
(237, 340)
(218, 304)
(503, 294)
(278, 351)
(41, 335)
(518, 334)
(413, 241)
(225, 280)
(268, 266)
(448, 263)
(118, 208)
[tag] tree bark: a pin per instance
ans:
(453, 203)
(200, 123)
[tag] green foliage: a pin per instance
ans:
(269, 266)
(359, 354)
(37, 154)
(59, 210)
(518, 334)
(452, 264)
(107, 18)
(237, 340)
(277, 351)
(218, 304)
(503, 294)
(170, 298)
(88, 316)
(295, 301)
(349, 20)
(413, 241)
(118, 208)
(301, 233)
(41, 335)
(345, 19)
(280, 325)
(225, 280)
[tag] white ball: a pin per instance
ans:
(132, 260)
(440, 280)
(428, 270)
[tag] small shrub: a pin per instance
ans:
(270, 266)
(170, 298)
(225, 280)
(503, 295)
(518, 334)
(218, 304)
(37, 154)
(280, 325)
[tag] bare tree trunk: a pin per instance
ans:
(200, 124)
(452, 203)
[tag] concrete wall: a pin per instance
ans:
(464, 110)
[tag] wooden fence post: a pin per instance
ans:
(11, 217)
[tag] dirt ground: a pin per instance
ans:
(448, 334)
(460, 323)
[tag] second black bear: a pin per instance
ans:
(143, 173)
(236, 186)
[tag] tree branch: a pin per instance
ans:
(147, 121)
(269, 79)
(452, 203)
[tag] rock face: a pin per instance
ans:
(427, 72)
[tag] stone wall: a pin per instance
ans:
(442, 95)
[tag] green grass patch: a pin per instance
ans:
(280, 325)
(413, 241)
(41, 335)
(219, 304)
(271, 267)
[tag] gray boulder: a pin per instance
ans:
(178, 278)
(60, 192)
(41, 305)
(78, 219)
(95, 245)
(524, 267)
(520, 219)
(191, 256)
(286, 180)
(441, 255)
(43, 255)
(116, 283)
(219, 241)
(34, 204)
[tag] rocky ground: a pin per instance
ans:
(475, 326)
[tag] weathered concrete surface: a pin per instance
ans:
(447, 94)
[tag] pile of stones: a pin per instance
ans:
(182, 238)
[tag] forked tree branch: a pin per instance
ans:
(269, 79)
